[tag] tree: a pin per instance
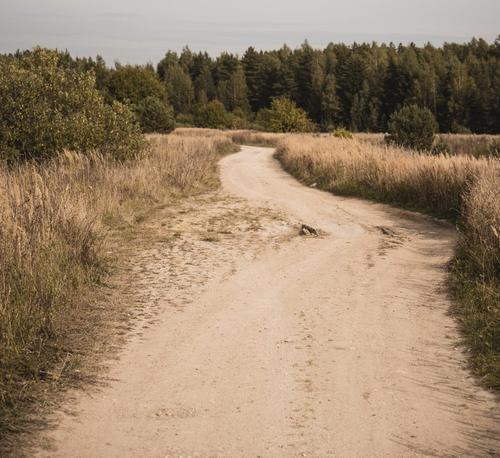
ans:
(180, 89)
(330, 107)
(204, 86)
(233, 91)
(213, 115)
(285, 116)
(47, 107)
(155, 116)
(412, 127)
(133, 83)
(252, 66)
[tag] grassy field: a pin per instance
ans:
(458, 144)
(461, 188)
(56, 222)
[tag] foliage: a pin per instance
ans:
(46, 108)
(155, 116)
(412, 127)
(285, 116)
(133, 83)
(342, 133)
(180, 89)
(213, 115)
(357, 86)
(184, 120)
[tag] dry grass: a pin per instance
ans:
(55, 218)
(460, 188)
(431, 183)
(459, 144)
(475, 278)
(475, 145)
(255, 138)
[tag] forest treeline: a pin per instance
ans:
(357, 87)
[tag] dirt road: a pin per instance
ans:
(332, 346)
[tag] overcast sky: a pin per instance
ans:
(140, 31)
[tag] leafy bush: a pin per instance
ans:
(184, 120)
(285, 116)
(412, 127)
(213, 115)
(46, 108)
(155, 116)
(133, 83)
(238, 119)
(342, 133)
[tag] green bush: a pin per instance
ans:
(155, 116)
(341, 132)
(134, 83)
(285, 116)
(46, 108)
(184, 120)
(213, 115)
(412, 127)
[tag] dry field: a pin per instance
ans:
(56, 219)
(459, 144)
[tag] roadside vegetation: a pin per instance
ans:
(462, 189)
(56, 220)
(453, 144)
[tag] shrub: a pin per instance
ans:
(342, 133)
(155, 116)
(286, 116)
(184, 120)
(213, 115)
(459, 129)
(263, 119)
(134, 83)
(238, 119)
(46, 108)
(412, 127)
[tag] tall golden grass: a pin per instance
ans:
(458, 144)
(255, 138)
(55, 218)
(461, 188)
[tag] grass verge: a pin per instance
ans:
(58, 220)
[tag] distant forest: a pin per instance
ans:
(357, 86)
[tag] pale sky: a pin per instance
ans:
(140, 31)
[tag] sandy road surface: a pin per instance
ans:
(331, 346)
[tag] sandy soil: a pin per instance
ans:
(257, 342)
